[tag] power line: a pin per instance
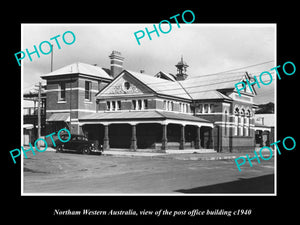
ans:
(258, 64)
(223, 72)
(204, 85)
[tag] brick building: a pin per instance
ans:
(125, 109)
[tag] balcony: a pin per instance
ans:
(33, 111)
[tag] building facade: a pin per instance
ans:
(126, 109)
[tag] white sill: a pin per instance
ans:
(61, 101)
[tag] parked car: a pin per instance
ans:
(78, 143)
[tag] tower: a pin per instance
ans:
(181, 70)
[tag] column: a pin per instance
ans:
(182, 138)
(164, 141)
(211, 139)
(198, 139)
(133, 145)
(106, 138)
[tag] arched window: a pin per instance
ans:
(248, 117)
(242, 114)
(236, 120)
(226, 123)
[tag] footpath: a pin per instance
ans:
(187, 154)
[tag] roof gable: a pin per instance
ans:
(126, 85)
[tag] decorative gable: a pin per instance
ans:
(123, 86)
(126, 85)
(247, 90)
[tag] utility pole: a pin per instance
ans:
(70, 128)
(51, 59)
(39, 112)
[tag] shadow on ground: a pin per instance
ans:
(261, 184)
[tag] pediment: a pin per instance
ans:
(247, 89)
(125, 84)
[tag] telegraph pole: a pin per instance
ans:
(39, 112)
(51, 59)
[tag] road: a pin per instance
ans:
(67, 173)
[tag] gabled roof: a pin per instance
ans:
(80, 68)
(161, 86)
(209, 86)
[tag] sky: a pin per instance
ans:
(206, 48)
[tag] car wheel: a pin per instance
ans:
(86, 150)
(59, 148)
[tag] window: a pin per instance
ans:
(87, 90)
(211, 108)
(236, 120)
(133, 105)
(108, 105)
(62, 91)
(113, 105)
(246, 126)
(139, 104)
(226, 123)
(126, 85)
(165, 105)
(205, 108)
(145, 104)
(242, 114)
(200, 110)
(248, 114)
(118, 106)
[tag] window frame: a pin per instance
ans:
(62, 91)
(88, 92)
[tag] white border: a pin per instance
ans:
(149, 194)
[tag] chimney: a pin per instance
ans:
(116, 63)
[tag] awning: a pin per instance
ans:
(262, 127)
(59, 117)
(144, 116)
(27, 126)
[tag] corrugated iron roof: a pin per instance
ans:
(161, 86)
(80, 68)
(208, 86)
(136, 115)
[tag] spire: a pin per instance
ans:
(181, 69)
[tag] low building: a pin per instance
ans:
(264, 129)
(30, 114)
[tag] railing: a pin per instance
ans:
(32, 111)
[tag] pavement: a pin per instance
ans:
(187, 154)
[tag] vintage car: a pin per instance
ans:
(78, 143)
